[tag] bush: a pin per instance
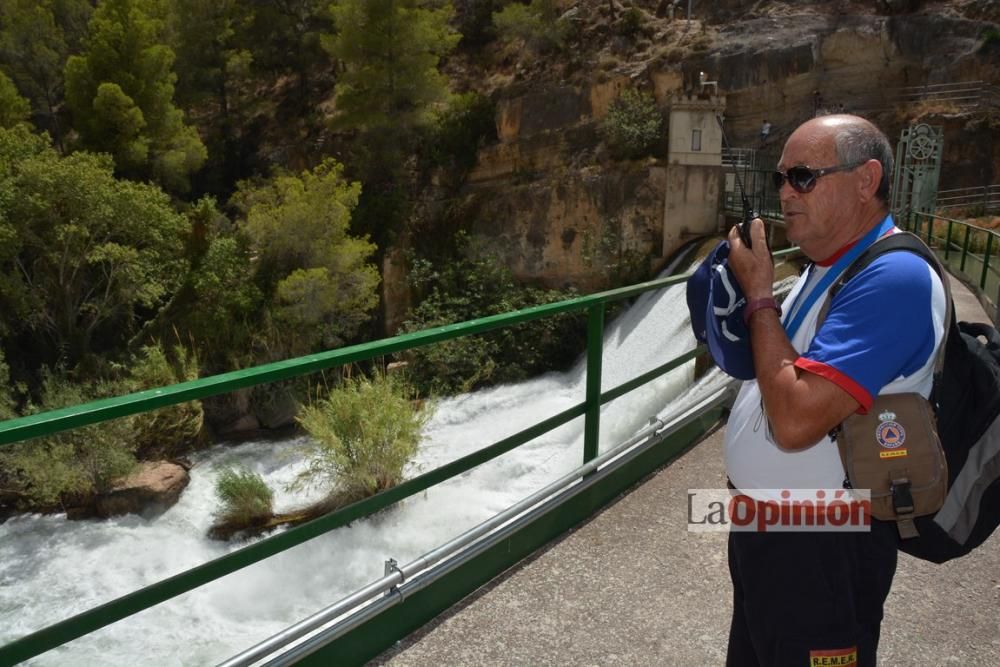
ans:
(168, 431)
(364, 433)
(467, 123)
(244, 496)
(991, 39)
(47, 472)
(475, 21)
(479, 285)
(631, 22)
(74, 465)
(633, 125)
(538, 24)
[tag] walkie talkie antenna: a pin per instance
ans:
(748, 212)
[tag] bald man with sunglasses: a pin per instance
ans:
(806, 597)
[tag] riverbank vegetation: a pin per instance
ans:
(190, 188)
(363, 435)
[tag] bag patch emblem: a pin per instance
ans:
(841, 656)
(890, 433)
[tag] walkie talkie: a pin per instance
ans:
(748, 212)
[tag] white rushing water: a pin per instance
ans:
(51, 568)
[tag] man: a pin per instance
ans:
(804, 597)
(765, 130)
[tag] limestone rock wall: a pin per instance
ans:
(580, 228)
(561, 212)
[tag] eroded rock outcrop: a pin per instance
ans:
(152, 489)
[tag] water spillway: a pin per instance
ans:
(51, 568)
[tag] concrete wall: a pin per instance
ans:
(694, 175)
(691, 205)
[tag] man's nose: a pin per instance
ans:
(786, 192)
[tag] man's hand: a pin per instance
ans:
(802, 407)
(753, 267)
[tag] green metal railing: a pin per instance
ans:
(56, 421)
(968, 251)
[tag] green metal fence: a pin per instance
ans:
(967, 251)
(56, 421)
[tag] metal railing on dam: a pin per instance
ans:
(370, 639)
(968, 251)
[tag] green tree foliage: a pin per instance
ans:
(83, 257)
(120, 91)
(284, 37)
(453, 142)
(217, 82)
(316, 277)
(36, 37)
(168, 431)
(244, 497)
(633, 125)
(390, 85)
(478, 285)
(47, 472)
(475, 21)
(76, 464)
(364, 433)
(6, 398)
(390, 50)
(14, 109)
(537, 23)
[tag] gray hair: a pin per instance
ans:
(862, 141)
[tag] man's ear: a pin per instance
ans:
(871, 176)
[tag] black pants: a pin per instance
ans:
(809, 599)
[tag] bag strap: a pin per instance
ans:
(908, 242)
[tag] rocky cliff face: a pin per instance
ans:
(561, 212)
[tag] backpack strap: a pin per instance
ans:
(901, 241)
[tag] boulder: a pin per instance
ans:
(153, 488)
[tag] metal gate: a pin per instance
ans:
(918, 167)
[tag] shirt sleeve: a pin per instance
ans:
(880, 327)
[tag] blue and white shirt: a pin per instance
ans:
(879, 337)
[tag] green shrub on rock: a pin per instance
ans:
(72, 465)
(633, 125)
(364, 433)
(244, 497)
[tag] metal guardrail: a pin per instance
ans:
(986, 197)
(401, 581)
(968, 251)
(961, 93)
(56, 421)
(739, 158)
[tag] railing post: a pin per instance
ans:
(965, 247)
(930, 230)
(986, 260)
(947, 242)
(595, 354)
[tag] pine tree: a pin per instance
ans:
(215, 83)
(36, 37)
(14, 109)
(390, 49)
(121, 90)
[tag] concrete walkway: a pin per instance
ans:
(633, 587)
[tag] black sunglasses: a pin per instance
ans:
(803, 179)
